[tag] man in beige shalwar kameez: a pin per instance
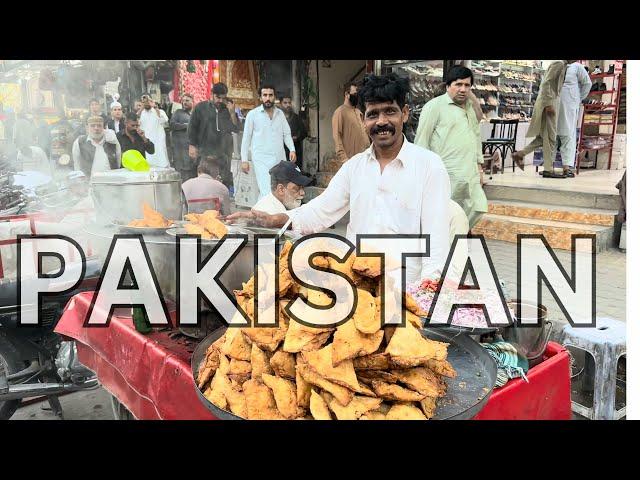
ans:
(544, 121)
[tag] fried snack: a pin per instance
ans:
(239, 378)
(366, 376)
(303, 389)
(389, 391)
(342, 394)
(239, 367)
(285, 281)
(236, 399)
(373, 415)
(193, 229)
(376, 361)
(320, 261)
(301, 338)
(283, 364)
(441, 367)
(344, 267)
(259, 362)
(318, 407)
(214, 226)
(151, 218)
(420, 379)
(208, 366)
(284, 392)
(267, 338)
(236, 345)
(349, 343)
(219, 384)
(411, 305)
(366, 317)
(428, 406)
(356, 407)
(261, 404)
(413, 319)
(402, 411)
(408, 348)
(341, 374)
(368, 266)
(192, 217)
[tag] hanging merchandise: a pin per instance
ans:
(191, 66)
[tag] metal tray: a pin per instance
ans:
(466, 394)
(143, 230)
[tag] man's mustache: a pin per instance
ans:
(383, 128)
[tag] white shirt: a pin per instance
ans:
(270, 204)
(100, 159)
(265, 137)
(152, 124)
(410, 196)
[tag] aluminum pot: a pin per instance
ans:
(162, 251)
(530, 341)
(118, 195)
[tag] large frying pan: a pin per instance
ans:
(466, 394)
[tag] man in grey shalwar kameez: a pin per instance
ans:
(577, 85)
(544, 121)
(180, 141)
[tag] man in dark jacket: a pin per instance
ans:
(298, 130)
(210, 128)
(133, 138)
(178, 125)
(116, 122)
(98, 151)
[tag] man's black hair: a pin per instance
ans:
(458, 72)
(209, 166)
(219, 89)
(382, 88)
(267, 86)
(347, 87)
(131, 116)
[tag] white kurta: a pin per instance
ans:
(153, 127)
(576, 87)
(410, 196)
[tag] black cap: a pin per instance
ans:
(288, 172)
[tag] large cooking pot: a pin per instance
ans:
(162, 251)
(118, 195)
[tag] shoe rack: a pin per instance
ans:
(600, 111)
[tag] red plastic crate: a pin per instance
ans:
(547, 396)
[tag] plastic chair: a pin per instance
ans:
(503, 138)
(606, 343)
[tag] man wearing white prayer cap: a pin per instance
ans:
(116, 122)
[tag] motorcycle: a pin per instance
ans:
(35, 361)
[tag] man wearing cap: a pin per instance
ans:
(98, 151)
(116, 122)
(287, 189)
(201, 192)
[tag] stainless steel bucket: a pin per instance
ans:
(532, 341)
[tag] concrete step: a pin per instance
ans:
(558, 234)
(551, 196)
(584, 216)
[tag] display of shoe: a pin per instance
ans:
(597, 70)
(611, 67)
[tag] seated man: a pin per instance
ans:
(287, 189)
(205, 192)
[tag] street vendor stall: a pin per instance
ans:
(151, 374)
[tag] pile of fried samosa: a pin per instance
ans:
(355, 371)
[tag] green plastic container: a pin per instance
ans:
(133, 160)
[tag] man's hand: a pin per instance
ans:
(262, 219)
(549, 110)
(292, 156)
(246, 166)
(193, 152)
(141, 133)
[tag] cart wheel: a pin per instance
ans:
(120, 412)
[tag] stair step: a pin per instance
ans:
(581, 215)
(557, 233)
(549, 196)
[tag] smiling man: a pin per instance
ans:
(449, 127)
(393, 187)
